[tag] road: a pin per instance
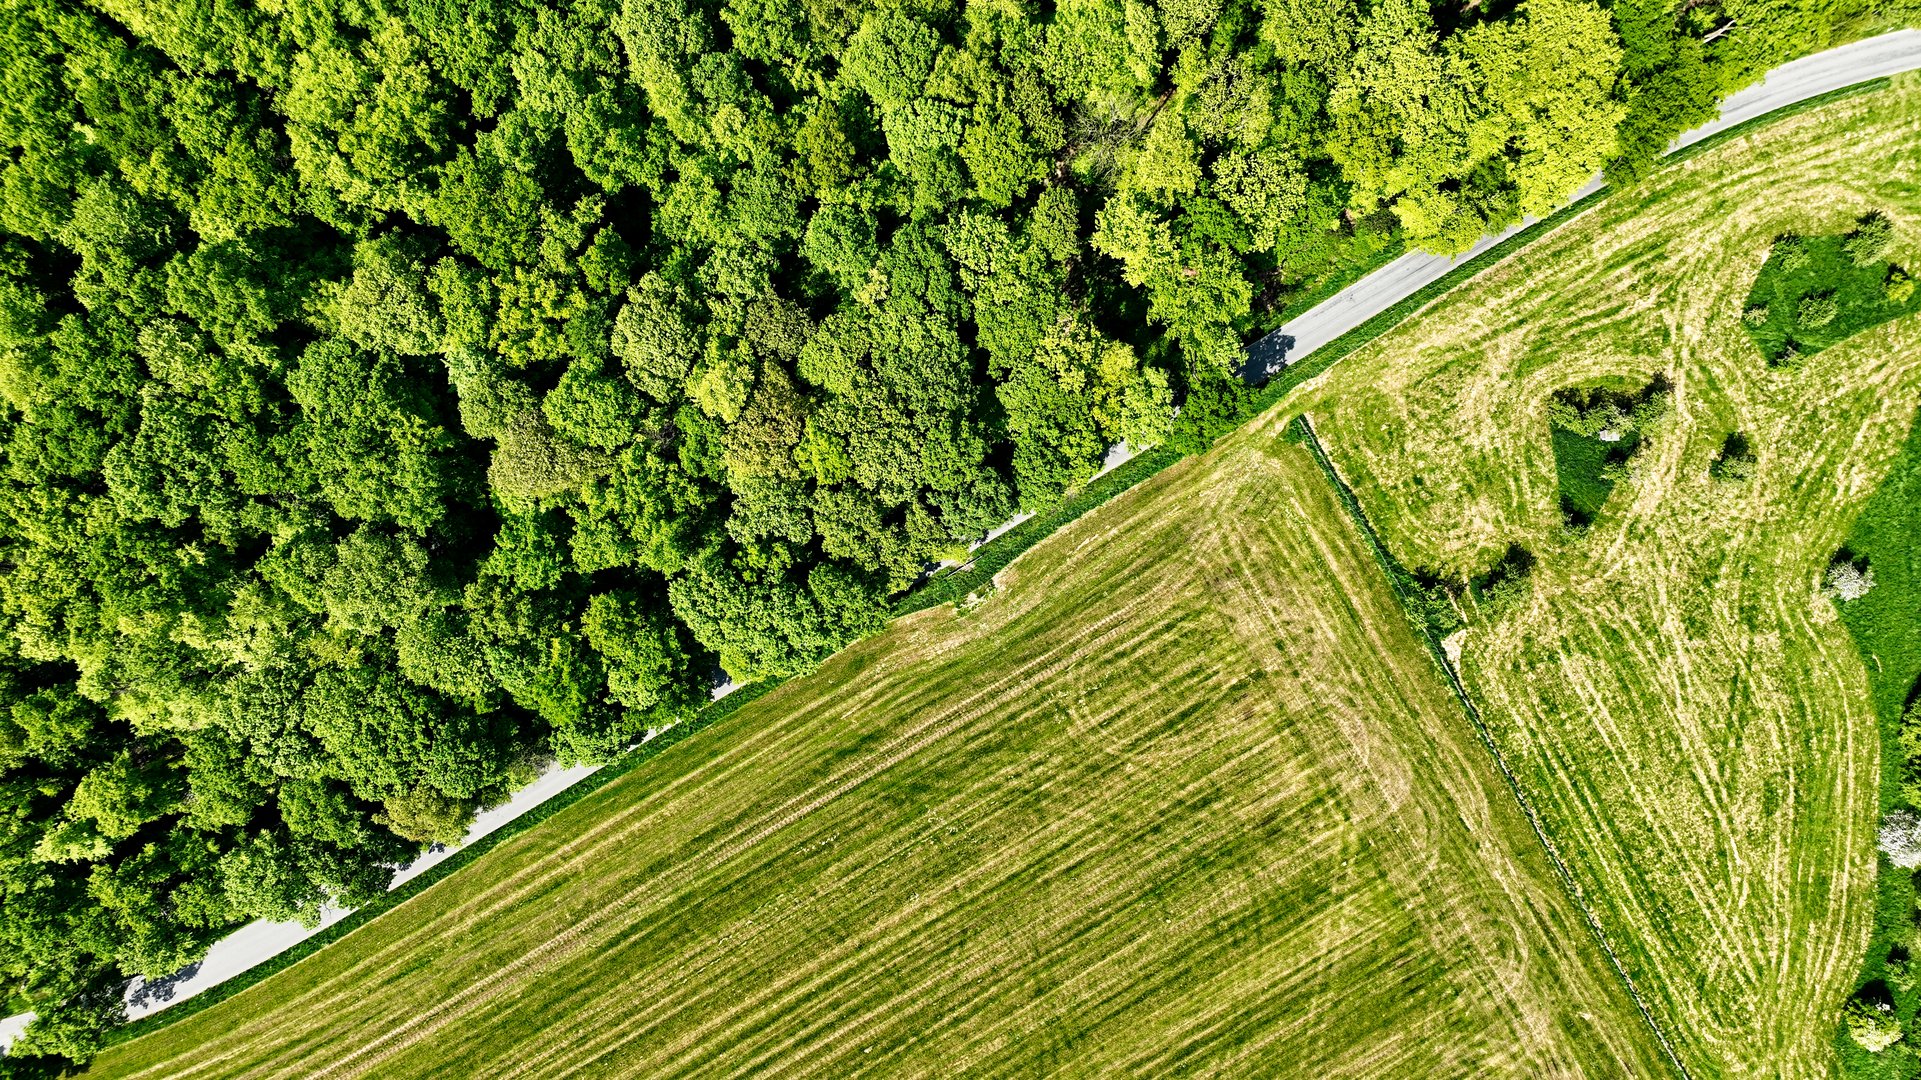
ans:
(1887, 54)
(1807, 77)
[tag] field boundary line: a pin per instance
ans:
(1397, 578)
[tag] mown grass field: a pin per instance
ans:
(1186, 797)
(1691, 718)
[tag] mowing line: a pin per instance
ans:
(1568, 884)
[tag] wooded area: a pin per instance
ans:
(400, 394)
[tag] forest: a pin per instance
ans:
(399, 395)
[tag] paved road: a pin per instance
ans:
(1807, 77)
(1804, 78)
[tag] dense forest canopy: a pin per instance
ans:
(398, 394)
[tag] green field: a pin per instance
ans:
(1859, 294)
(1688, 713)
(1580, 463)
(1185, 796)
(1886, 624)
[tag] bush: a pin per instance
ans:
(1505, 585)
(1736, 461)
(1873, 235)
(1610, 415)
(1845, 580)
(1792, 250)
(1789, 356)
(1872, 1024)
(1756, 316)
(1432, 603)
(1910, 742)
(1900, 285)
(1817, 310)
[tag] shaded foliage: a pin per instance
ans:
(1816, 291)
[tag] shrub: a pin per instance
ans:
(1736, 461)
(1756, 316)
(1910, 741)
(1900, 838)
(1432, 603)
(1655, 401)
(1789, 356)
(1873, 235)
(1505, 585)
(1817, 310)
(1610, 415)
(1792, 250)
(1847, 581)
(1872, 1024)
(1900, 285)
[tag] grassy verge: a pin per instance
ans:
(991, 558)
(1886, 625)
(1366, 258)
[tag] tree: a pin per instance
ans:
(1871, 1024)
(1846, 580)
(1508, 118)
(387, 305)
(1873, 235)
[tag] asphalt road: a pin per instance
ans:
(1807, 77)
(1378, 291)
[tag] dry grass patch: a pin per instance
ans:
(1691, 719)
(1186, 796)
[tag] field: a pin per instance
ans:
(1888, 632)
(1687, 712)
(1186, 796)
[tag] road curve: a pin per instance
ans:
(1874, 58)
(1810, 76)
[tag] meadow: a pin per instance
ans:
(1677, 697)
(1185, 795)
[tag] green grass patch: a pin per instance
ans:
(1811, 295)
(1582, 467)
(1886, 625)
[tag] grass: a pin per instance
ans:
(1886, 626)
(1689, 718)
(1185, 796)
(1581, 472)
(1822, 269)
